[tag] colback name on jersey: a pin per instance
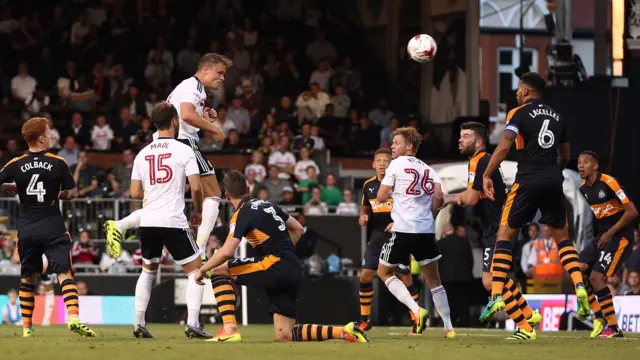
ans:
(39, 177)
(380, 212)
(539, 132)
(163, 167)
(413, 184)
(191, 91)
(606, 199)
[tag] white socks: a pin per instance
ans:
(209, 217)
(49, 302)
(130, 222)
(400, 291)
(194, 300)
(143, 293)
(439, 295)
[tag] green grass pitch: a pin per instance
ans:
(117, 342)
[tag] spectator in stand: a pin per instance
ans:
(633, 283)
(22, 41)
(120, 265)
(304, 139)
(160, 53)
(83, 289)
(274, 184)
(223, 121)
(251, 181)
(285, 112)
(35, 104)
(348, 77)
(381, 115)
(80, 29)
(11, 152)
(250, 34)
(8, 247)
(79, 131)
(256, 165)
(151, 101)
(97, 80)
(239, 115)
(45, 69)
(264, 194)
(188, 59)
(348, 206)
(268, 125)
(11, 313)
(318, 142)
(288, 203)
(283, 159)
(158, 75)
(254, 76)
(315, 206)
(386, 138)
(135, 102)
(328, 123)
(83, 252)
(321, 49)
(101, 135)
(208, 143)
(366, 138)
(85, 176)
(304, 186)
(331, 194)
(128, 128)
(55, 135)
(341, 102)
(68, 81)
(122, 173)
(322, 75)
(232, 142)
(23, 84)
(144, 136)
(284, 131)
(312, 104)
(119, 82)
(83, 97)
(69, 151)
(241, 57)
(250, 101)
(300, 170)
(265, 145)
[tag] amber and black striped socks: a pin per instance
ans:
(366, 298)
(225, 299)
(606, 302)
(511, 285)
(70, 297)
(595, 304)
(512, 308)
(312, 332)
(501, 264)
(570, 261)
(27, 302)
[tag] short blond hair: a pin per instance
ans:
(211, 59)
(410, 135)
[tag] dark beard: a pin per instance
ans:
(468, 152)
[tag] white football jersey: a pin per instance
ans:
(163, 167)
(192, 91)
(413, 184)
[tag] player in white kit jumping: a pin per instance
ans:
(158, 178)
(416, 191)
(188, 98)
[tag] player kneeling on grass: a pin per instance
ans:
(278, 270)
(611, 247)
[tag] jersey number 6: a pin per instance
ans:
(426, 184)
(160, 167)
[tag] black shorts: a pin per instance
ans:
(204, 165)
(487, 256)
(397, 250)
(527, 197)
(609, 259)
(372, 253)
(57, 249)
(278, 276)
(179, 242)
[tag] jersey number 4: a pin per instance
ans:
(36, 188)
(156, 166)
(426, 184)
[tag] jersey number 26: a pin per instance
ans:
(426, 184)
(156, 166)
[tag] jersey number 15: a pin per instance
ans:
(426, 184)
(156, 166)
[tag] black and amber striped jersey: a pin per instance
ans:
(264, 225)
(380, 213)
(488, 211)
(39, 177)
(540, 131)
(605, 197)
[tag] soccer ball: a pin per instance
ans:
(422, 48)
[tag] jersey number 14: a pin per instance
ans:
(156, 167)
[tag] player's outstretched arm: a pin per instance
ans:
(137, 191)
(190, 116)
(384, 193)
(469, 197)
(296, 230)
(507, 140)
